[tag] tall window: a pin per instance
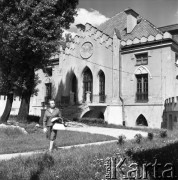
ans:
(48, 91)
(74, 87)
(101, 87)
(87, 83)
(176, 59)
(141, 59)
(48, 71)
(142, 88)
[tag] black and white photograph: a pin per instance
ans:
(88, 89)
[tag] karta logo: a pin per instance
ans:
(118, 167)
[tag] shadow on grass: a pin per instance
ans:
(26, 168)
(164, 159)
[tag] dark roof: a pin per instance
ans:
(173, 29)
(119, 21)
(168, 28)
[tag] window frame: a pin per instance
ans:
(48, 71)
(87, 84)
(143, 60)
(48, 93)
(142, 88)
(101, 87)
(176, 59)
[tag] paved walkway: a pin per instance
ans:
(27, 154)
(129, 134)
(90, 129)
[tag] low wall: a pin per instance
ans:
(171, 113)
(152, 113)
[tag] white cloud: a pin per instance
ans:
(93, 17)
(176, 14)
(67, 32)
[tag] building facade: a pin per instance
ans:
(125, 68)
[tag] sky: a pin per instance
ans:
(158, 12)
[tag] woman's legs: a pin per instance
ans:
(52, 136)
(51, 145)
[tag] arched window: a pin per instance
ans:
(87, 83)
(48, 92)
(74, 87)
(101, 87)
(142, 87)
(141, 120)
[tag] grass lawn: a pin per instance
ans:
(88, 163)
(12, 141)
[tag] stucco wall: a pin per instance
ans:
(15, 105)
(153, 115)
(101, 59)
(161, 76)
(161, 81)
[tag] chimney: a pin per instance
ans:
(131, 20)
(80, 28)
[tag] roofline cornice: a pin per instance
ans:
(150, 45)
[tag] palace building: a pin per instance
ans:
(125, 69)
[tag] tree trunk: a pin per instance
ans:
(26, 95)
(24, 107)
(7, 109)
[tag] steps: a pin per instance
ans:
(73, 111)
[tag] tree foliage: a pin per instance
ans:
(30, 31)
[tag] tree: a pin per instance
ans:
(31, 31)
(6, 89)
(8, 76)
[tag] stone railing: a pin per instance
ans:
(99, 98)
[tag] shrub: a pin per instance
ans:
(129, 152)
(121, 139)
(31, 127)
(163, 134)
(12, 131)
(13, 117)
(138, 138)
(92, 120)
(150, 136)
(75, 119)
(33, 118)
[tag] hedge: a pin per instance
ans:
(92, 120)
